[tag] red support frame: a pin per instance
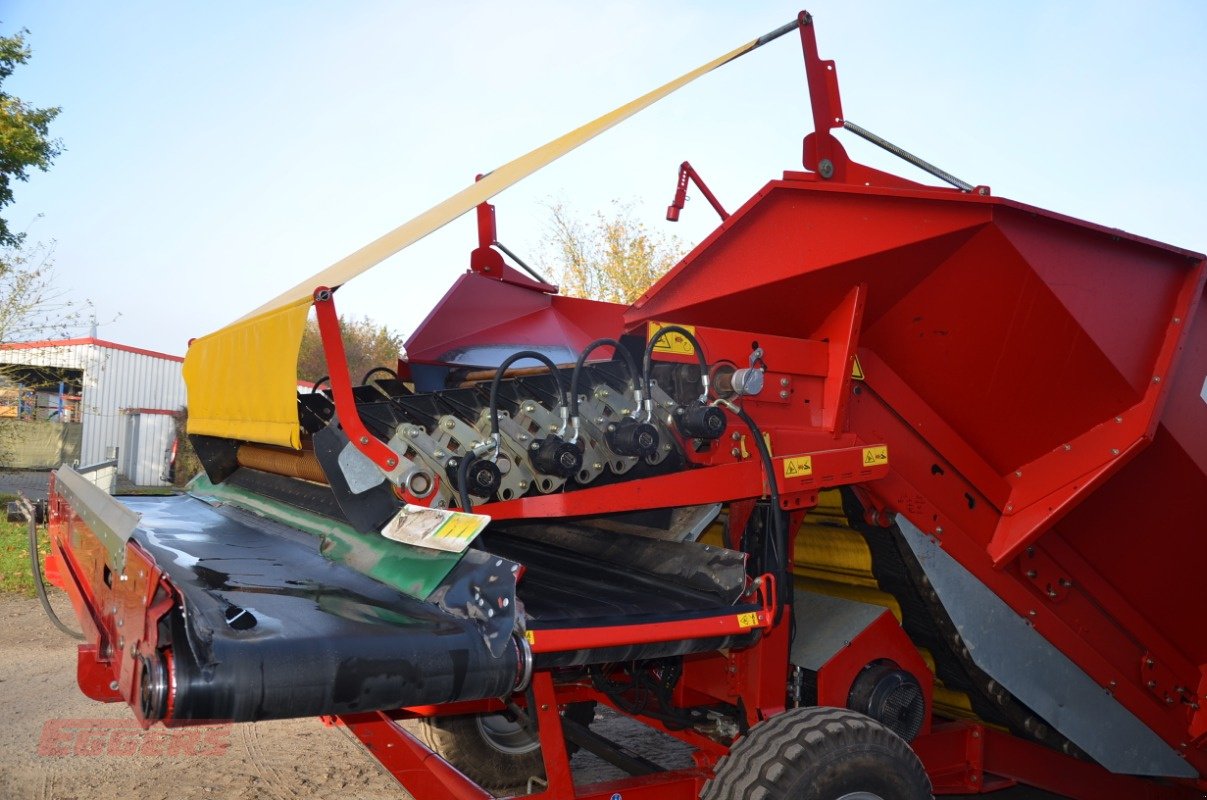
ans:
(970, 758)
(341, 384)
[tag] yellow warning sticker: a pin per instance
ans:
(856, 369)
(798, 467)
(459, 526)
(530, 637)
(672, 342)
(875, 456)
(748, 620)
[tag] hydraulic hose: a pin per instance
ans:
(463, 480)
(494, 385)
(649, 355)
(779, 536)
(582, 358)
(35, 566)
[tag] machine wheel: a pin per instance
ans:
(819, 754)
(494, 750)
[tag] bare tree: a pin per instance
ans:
(32, 306)
(612, 257)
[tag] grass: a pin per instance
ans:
(15, 577)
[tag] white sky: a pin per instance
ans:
(219, 152)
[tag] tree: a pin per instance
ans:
(24, 133)
(608, 257)
(31, 306)
(367, 344)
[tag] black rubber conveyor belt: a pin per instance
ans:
(271, 629)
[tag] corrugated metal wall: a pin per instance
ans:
(116, 380)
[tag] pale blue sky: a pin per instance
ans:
(219, 152)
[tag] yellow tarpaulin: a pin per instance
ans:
(242, 379)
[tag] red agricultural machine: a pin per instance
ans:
(884, 489)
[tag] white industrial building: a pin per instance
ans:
(123, 398)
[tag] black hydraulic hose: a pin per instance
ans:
(375, 370)
(649, 355)
(507, 362)
(779, 537)
(35, 566)
(463, 480)
(582, 358)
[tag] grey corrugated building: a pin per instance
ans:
(98, 397)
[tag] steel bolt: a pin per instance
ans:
(735, 452)
(1119, 420)
(1114, 451)
(1031, 574)
(826, 168)
(364, 440)
(737, 437)
(1156, 379)
(1031, 613)
(1068, 447)
(1018, 473)
(784, 382)
(113, 686)
(391, 462)
(939, 530)
(783, 394)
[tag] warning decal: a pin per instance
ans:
(748, 620)
(856, 369)
(672, 342)
(875, 456)
(798, 467)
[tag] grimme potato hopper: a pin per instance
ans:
(884, 487)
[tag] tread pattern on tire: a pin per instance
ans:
(769, 759)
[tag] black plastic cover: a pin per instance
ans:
(267, 628)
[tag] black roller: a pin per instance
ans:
(267, 628)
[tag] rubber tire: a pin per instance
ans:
(459, 741)
(819, 754)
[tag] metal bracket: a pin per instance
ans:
(341, 384)
(111, 521)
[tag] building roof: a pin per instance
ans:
(48, 343)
